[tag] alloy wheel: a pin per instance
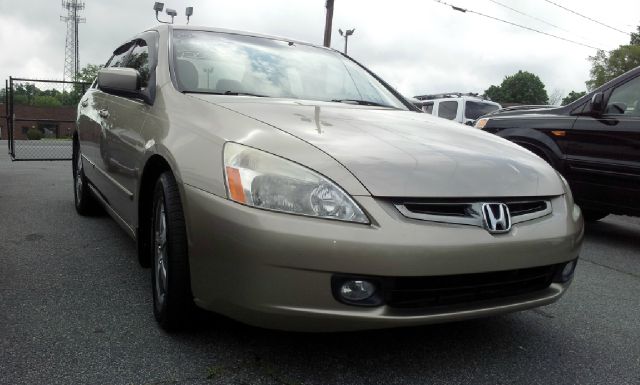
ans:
(160, 255)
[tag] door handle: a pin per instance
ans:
(84, 103)
(103, 113)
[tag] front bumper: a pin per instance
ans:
(274, 270)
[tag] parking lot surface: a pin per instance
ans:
(75, 308)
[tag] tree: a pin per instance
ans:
(573, 95)
(605, 67)
(635, 37)
(88, 73)
(30, 94)
(522, 88)
(493, 93)
(555, 97)
(46, 101)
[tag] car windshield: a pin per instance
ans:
(231, 64)
(474, 110)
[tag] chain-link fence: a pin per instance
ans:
(40, 117)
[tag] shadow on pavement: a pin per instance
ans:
(614, 234)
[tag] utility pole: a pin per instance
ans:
(328, 23)
(346, 35)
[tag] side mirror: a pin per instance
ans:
(119, 80)
(597, 104)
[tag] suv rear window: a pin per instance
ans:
(448, 110)
(474, 110)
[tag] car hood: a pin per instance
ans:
(407, 154)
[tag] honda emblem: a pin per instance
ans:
(496, 218)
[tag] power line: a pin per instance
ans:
(586, 17)
(463, 10)
(539, 19)
(527, 15)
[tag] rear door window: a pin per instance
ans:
(448, 110)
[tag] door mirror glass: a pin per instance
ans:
(119, 80)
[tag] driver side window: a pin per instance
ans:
(138, 59)
(625, 99)
(119, 56)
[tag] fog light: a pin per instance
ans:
(357, 290)
(567, 271)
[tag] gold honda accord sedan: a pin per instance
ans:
(285, 185)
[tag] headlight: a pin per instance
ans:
(576, 212)
(259, 179)
(567, 188)
(480, 123)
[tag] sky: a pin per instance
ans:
(418, 46)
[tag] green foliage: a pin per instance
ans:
(635, 37)
(88, 73)
(573, 95)
(605, 67)
(46, 101)
(29, 94)
(522, 87)
(493, 93)
(34, 134)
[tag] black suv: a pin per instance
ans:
(593, 142)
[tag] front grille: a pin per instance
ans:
(423, 292)
(521, 208)
(469, 212)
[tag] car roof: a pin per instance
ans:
(170, 27)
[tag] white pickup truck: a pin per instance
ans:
(462, 108)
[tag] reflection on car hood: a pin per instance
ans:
(406, 154)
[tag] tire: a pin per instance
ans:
(86, 204)
(542, 153)
(170, 276)
(593, 215)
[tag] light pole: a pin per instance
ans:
(328, 23)
(208, 71)
(346, 35)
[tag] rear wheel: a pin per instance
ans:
(593, 215)
(85, 202)
(170, 276)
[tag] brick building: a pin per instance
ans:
(53, 122)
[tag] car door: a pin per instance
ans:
(93, 133)
(122, 119)
(604, 151)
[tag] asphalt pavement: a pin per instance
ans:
(75, 308)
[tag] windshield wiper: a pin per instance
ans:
(234, 93)
(230, 93)
(361, 102)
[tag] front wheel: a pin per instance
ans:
(170, 276)
(593, 215)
